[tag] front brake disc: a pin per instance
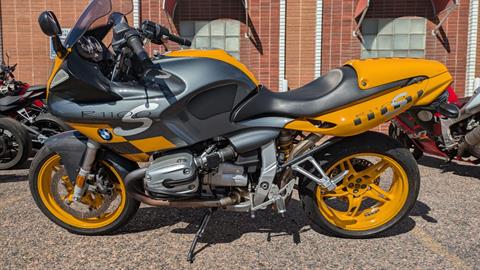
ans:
(78, 209)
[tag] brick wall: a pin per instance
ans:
(259, 52)
(29, 48)
(339, 45)
(23, 39)
(300, 42)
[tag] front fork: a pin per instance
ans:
(84, 173)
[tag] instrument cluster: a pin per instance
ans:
(90, 48)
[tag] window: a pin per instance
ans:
(400, 37)
(219, 34)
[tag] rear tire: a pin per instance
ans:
(17, 134)
(50, 118)
(48, 125)
(355, 222)
(40, 187)
(402, 138)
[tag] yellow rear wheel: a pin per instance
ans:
(379, 190)
(372, 193)
(99, 211)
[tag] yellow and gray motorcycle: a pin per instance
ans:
(208, 135)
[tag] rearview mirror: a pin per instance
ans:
(49, 24)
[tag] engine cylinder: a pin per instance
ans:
(172, 175)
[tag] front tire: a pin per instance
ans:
(378, 192)
(96, 213)
(15, 143)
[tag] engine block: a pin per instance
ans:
(172, 175)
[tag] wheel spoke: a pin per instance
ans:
(334, 195)
(374, 171)
(354, 204)
(375, 193)
(347, 165)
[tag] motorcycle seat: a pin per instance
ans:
(37, 88)
(8, 100)
(337, 88)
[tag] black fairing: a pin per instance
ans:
(86, 83)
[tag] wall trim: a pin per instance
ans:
(136, 13)
(318, 39)
(1, 34)
(282, 82)
(471, 48)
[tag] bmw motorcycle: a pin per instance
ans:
(24, 122)
(211, 136)
(448, 128)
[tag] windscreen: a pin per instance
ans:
(96, 14)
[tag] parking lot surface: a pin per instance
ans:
(442, 232)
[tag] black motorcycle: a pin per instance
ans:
(24, 120)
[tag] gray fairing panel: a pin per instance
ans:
(168, 102)
(71, 147)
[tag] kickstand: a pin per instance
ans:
(199, 234)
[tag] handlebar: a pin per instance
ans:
(135, 43)
(155, 32)
(133, 38)
(180, 40)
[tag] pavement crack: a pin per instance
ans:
(429, 242)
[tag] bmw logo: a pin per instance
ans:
(105, 134)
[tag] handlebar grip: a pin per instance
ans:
(155, 32)
(180, 40)
(135, 43)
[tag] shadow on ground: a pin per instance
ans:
(461, 169)
(15, 175)
(226, 227)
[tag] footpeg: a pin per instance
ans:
(276, 196)
(325, 181)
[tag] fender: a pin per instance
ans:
(71, 147)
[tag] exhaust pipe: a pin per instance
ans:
(471, 139)
(134, 190)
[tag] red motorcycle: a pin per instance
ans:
(448, 128)
(24, 120)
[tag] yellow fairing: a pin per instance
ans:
(136, 150)
(56, 66)
(220, 55)
(364, 115)
(376, 72)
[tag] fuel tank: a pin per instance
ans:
(188, 99)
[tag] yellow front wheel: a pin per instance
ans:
(379, 190)
(104, 208)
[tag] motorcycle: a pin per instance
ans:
(211, 136)
(449, 128)
(33, 124)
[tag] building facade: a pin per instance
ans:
(286, 43)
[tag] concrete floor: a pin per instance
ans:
(442, 232)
